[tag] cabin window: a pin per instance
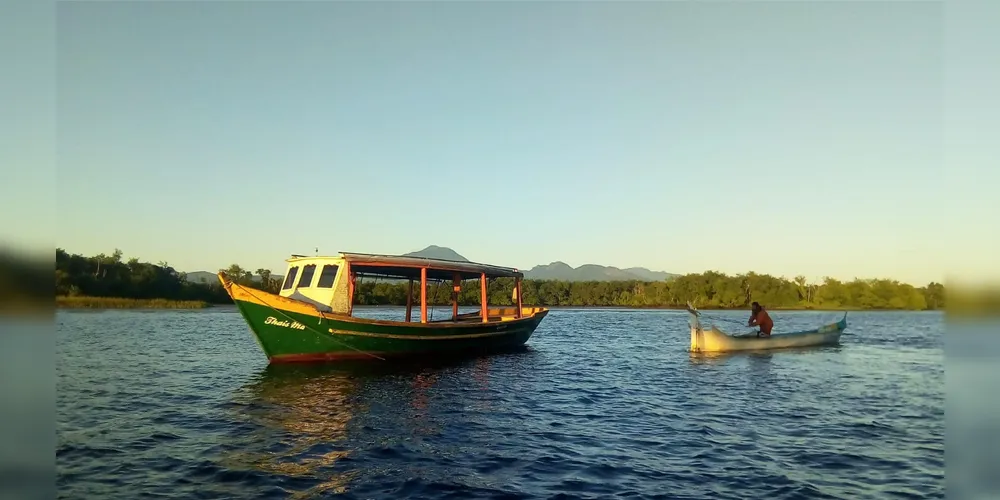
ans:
(290, 279)
(326, 276)
(307, 275)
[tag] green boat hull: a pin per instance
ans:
(288, 336)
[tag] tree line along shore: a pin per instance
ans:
(106, 281)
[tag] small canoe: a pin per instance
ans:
(712, 339)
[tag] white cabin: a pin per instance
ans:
(319, 281)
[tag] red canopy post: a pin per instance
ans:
(423, 294)
(456, 289)
(517, 290)
(483, 299)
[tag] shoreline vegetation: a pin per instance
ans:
(85, 302)
(106, 281)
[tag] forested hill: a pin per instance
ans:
(109, 276)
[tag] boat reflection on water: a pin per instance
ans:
(299, 416)
(424, 377)
(718, 358)
(300, 421)
(481, 372)
(759, 364)
(420, 421)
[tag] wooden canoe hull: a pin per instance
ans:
(712, 339)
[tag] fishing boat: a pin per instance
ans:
(711, 339)
(312, 317)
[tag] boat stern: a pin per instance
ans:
(697, 334)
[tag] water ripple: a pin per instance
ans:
(603, 404)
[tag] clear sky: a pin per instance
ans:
(786, 138)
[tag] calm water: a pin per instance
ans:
(603, 403)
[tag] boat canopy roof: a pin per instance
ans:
(399, 266)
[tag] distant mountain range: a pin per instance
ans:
(558, 271)
(436, 252)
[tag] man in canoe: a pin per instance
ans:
(759, 317)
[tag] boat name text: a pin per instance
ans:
(271, 320)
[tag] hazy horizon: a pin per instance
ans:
(280, 269)
(621, 134)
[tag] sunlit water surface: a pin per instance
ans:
(602, 403)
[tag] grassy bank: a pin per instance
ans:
(79, 302)
(716, 308)
(745, 309)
